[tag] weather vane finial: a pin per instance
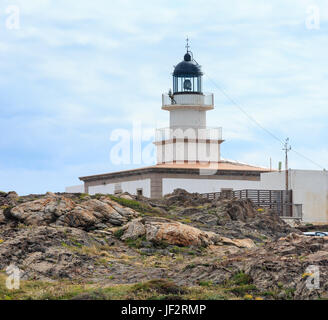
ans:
(187, 45)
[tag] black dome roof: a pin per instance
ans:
(187, 68)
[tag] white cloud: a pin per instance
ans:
(77, 70)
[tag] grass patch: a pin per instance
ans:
(205, 283)
(162, 289)
(136, 243)
(134, 204)
(82, 196)
(241, 278)
(159, 286)
(118, 233)
(243, 289)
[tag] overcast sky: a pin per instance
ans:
(76, 70)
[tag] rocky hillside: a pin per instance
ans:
(181, 246)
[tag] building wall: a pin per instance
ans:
(126, 186)
(206, 185)
(310, 188)
(187, 118)
(181, 151)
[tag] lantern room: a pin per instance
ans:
(187, 76)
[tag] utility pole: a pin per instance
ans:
(286, 148)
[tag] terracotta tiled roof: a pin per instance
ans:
(219, 166)
(222, 165)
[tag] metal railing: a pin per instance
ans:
(189, 99)
(189, 133)
(276, 200)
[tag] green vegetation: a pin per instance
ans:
(134, 204)
(205, 283)
(159, 286)
(184, 251)
(83, 196)
(118, 233)
(241, 278)
(6, 210)
(65, 290)
(241, 285)
(136, 243)
(243, 289)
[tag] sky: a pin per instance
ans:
(74, 72)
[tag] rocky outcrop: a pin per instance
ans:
(277, 270)
(92, 212)
(63, 211)
(159, 230)
(133, 230)
(8, 199)
(44, 252)
(183, 237)
(42, 211)
(176, 233)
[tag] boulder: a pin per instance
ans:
(133, 230)
(91, 212)
(176, 233)
(42, 211)
(240, 243)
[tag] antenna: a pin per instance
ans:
(187, 44)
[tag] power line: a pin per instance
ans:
(257, 123)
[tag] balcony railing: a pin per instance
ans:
(189, 133)
(188, 100)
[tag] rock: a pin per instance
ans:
(50, 195)
(2, 217)
(12, 195)
(10, 199)
(40, 252)
(240, 243)
(133, 230)
(176, 233)
(278, 266)
(208, 219)
(42, 211)
(126, 196)
(126, 212)
(182, 198)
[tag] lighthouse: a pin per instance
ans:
(187, 151)
(188, 139)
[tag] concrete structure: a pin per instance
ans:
(310, 188)
(188, 152)
(188, 157)
(158, 180)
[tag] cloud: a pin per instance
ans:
(75, 72)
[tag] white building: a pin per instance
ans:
(188, 156)
(309, 188)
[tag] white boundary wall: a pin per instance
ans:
(75, 189)
(126, 186)
(310, 188)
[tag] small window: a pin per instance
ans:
(139, 192)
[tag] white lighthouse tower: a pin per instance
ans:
(188, 152)
(188, 139)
